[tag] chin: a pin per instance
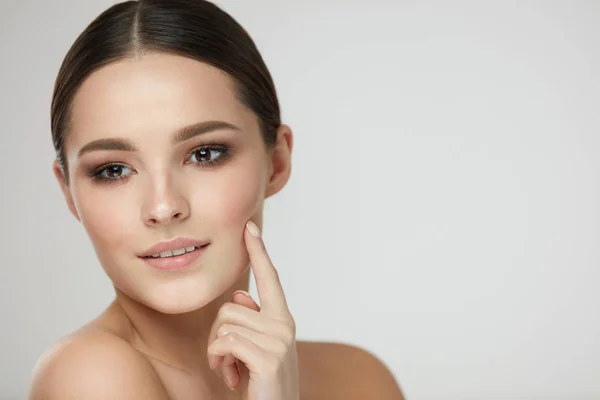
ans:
(175, 308)
(182, 296)
(187, 294)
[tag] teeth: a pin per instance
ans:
(178, 252)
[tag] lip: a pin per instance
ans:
(176, 262)
(174, 244)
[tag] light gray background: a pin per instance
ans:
(443, 206)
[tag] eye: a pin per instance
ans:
(112, 172)
(208, 154)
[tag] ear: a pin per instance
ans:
(281, 160)
(58, 173)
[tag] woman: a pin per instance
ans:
(167, 130)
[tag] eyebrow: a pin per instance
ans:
(181, 135)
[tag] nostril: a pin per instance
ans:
(157, 219)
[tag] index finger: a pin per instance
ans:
(270, 291)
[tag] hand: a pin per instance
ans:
(256, 346)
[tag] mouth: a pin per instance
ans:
(175, 253)
(177, 259)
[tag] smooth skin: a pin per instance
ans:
(191, 333)
(262, 338)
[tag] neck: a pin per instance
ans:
(179, 341)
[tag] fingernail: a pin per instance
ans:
(241, 291)
(253, 229)
(228, 385)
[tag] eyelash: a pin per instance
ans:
(224, 150)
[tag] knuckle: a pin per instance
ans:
(287, 336)
(288, 332)
(231, 337)
(226, 310)
(292, 325)
(224, 329)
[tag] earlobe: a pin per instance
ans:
(281, 161)
(65, 188)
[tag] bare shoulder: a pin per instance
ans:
(334, 371)
(94, 364)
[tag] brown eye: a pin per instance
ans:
(203, 155)
(208, 155)
(114, 171)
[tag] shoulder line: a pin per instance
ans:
(94, 364)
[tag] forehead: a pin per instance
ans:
(157, 92)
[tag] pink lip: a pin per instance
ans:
(174, 262)
(177, 243)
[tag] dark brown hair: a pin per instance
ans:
(193, 28)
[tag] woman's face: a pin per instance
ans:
(150, 183)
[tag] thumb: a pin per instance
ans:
(243, 298)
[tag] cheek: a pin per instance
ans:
(107, 220)
(229, 200)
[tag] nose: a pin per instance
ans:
(165, 204)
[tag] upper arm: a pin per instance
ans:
(94, 366)
(377, 381)
(350, 373)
